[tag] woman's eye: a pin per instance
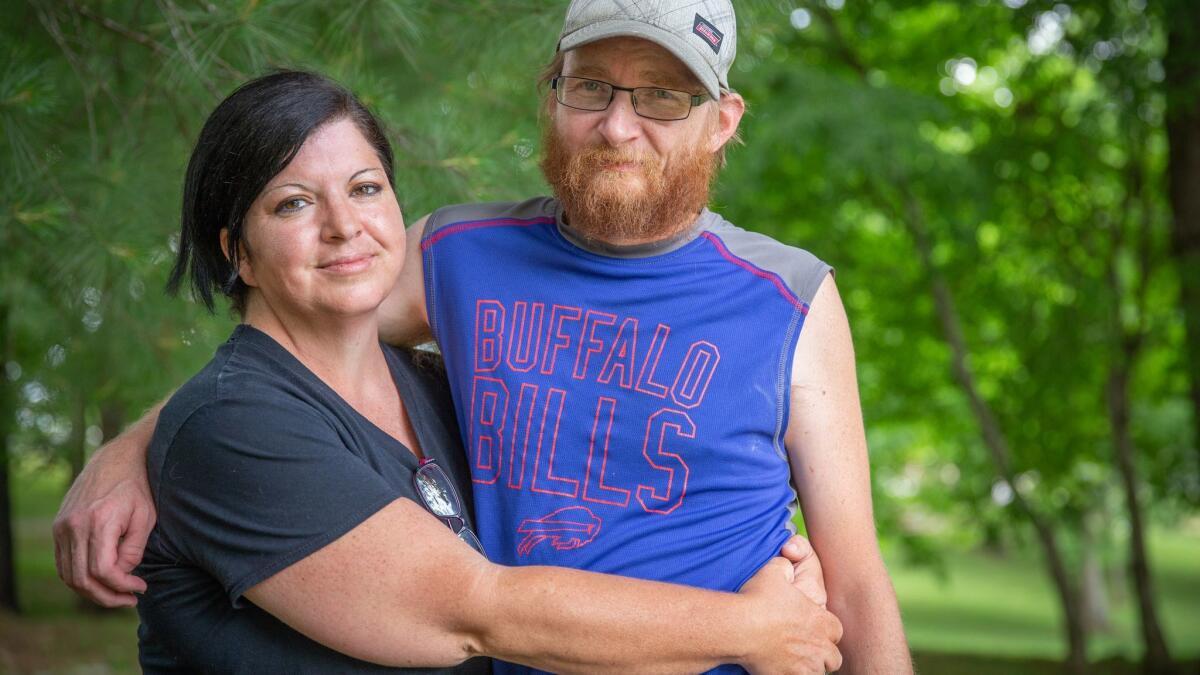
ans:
(291, 205)
(367, 189)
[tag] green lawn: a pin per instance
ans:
(992, 615)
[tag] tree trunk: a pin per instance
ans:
(8, 400)
(1093, 588)
(996, 441)
(1156, 659)
(112, 418)
(1182, 84)
(77, 444)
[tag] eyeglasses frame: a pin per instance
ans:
(694, 99)
(429, 466)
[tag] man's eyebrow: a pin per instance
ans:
(670, 80)
(588, 71)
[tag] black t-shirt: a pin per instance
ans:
(255, 464)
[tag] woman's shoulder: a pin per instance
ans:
(250, 382)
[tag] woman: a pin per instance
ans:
(295, 475)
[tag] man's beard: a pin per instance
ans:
(601, 206)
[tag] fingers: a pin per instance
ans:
(833, 660)
(833, 656)
(133, 546)
(797, 548)
(73, 559)
(81, 580)
(810, 582)
(62, 550)
(104, 560)
(782, 566)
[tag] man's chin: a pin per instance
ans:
(618, 185)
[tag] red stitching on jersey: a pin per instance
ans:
(475, 224)
(760, 273)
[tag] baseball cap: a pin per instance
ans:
(701, 33)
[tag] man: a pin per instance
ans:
(639, 383)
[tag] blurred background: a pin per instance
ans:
(1009, 189)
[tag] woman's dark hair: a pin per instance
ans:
(251, 136)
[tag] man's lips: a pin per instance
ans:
(621, 166)
(348, 264)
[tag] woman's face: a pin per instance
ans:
(325, 236)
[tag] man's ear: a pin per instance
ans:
(730, 109)
(245, 269)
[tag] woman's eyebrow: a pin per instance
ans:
(283, 185)
(362, 171)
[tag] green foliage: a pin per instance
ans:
(1029, 141)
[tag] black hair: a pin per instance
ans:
(251, 136)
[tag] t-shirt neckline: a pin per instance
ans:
(405, 388)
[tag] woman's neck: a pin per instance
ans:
(344, 352)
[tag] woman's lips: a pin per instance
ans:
(350, 264)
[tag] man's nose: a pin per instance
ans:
(620, 124)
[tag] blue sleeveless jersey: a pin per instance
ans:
(623, 410)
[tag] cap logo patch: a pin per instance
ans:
(709, 33)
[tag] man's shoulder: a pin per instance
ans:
(458, 218)
(800, 270)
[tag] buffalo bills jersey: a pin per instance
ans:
(623, 408)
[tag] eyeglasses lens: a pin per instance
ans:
(435, 490)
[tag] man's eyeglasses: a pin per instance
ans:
(654, 103)
(441, 499)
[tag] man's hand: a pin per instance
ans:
(101, 528)
(807, 568)
(797, 636)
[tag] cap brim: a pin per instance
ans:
(667, 40)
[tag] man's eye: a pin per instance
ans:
(591, 86)
(291, 205)
(663, 94)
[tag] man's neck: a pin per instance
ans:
(678, 227)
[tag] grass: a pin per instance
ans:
(992, 615)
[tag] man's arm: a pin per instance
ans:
(403, 319)
(827, 446)
(105, 519)
(400, 589)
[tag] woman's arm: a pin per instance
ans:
(828, 449)
(400, 589)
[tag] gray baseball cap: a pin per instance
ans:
(701, 33)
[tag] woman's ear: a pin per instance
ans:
(244, 268)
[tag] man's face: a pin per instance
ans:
(624, 178)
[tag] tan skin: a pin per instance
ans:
(829, 459)
(324, 245)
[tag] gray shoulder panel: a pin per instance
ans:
(800, 271)
(538, 207)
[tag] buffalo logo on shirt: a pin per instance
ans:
(567, 528)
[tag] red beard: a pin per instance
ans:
(601, 206)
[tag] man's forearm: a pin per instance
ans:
(566, 621)
(131, 444)
(874, 639)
